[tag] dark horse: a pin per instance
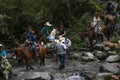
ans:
(113, 22)
(26, 54)
(90, 34)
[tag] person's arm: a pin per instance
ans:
(63, 34)
(115, 77)
(64, 46)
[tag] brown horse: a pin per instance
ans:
(27, 55)
(90, 34)
(111, 21)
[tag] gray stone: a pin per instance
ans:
(33, 75)
(103, 76)
(111, 67)
(113, 58)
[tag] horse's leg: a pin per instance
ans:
(42, 59)
(26, 62)
(29, 65)
(68, 53)
(91, 41)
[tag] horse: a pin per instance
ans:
(113, 22)
(90, 34)
(54, 41)
(26, 54)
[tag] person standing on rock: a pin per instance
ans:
(5, 65)
(61, 51)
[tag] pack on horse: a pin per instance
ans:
(26, 54)
(90, 34)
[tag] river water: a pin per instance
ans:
(72, 67)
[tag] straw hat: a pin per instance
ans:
(47, 24)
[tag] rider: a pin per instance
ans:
(111, 7)
(96, 25)
(5, 65)
(61, 31)
(31, 40)
(45, 32)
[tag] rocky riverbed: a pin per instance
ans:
(92, 64)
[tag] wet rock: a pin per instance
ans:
(98, 47)
(113, 58)
(112, 52)
(100, 55)
(110, 67)
(76, 77)
(33, 76)
(75, 56)
(88, 56)
(107, 48)
(103, 76)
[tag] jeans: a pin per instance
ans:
(62, 60)
(48, 38)
(34, 49)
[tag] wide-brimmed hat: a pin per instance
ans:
(1, 45)
(47, 24)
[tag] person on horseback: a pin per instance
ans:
(45, 32)
(31, 41)
(61, 32)
(61, 51)
(5, 65)
(96, 25)
(111, 8)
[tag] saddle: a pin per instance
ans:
(38, 47)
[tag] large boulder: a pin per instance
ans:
(76, 77)
(88, 56)
(75, 55)
(33, 76)
(100, 55)
(110, 67)
(113, 58)
(103, 76)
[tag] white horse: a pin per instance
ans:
(56, 41)
(66, 40)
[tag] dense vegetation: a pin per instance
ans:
(16, 15)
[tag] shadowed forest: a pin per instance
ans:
(15, 16)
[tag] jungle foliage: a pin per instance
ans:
(16, 15)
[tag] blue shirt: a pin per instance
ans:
(44, 31)
(30, 37)
(3, 53)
